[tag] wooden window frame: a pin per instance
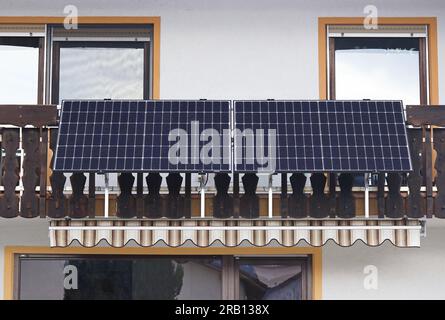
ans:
(11, 254)
(230, 275)
(429, 22)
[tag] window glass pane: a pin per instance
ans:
(19, 70)
(121, 278)
(270, 281)
(377, 68)
(101, 73)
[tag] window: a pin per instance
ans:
(65, 277)
(119, 277)
(101, 63)
(21, 59)
(389, 63)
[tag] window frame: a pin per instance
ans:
(230, 265)
(228, 254)
(94, 43)
(423, 76)
(432, 48)
(41, 62)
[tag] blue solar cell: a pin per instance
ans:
(338, 136)
(121, 135)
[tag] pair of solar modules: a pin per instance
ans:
(240, 136)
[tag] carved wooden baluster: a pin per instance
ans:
(439, 145)
(236, 199)
(174, 201)
(394, 201)
(249, 202)
(416, 208)
(139, 195)
(284, 203)
(153, 202)
(188, 196)
(31, 168)
(78, 200)
(57, 200)
(332, 195)
(9, 202)
(222, 202)
(319, 204)
(92, 195)
(298, 200)
(428, 171)
(346, 203)
(381, 195)
(126, 202)
(43, 170)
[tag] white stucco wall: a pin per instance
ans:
(262, 49)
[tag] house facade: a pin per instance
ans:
(131, 235)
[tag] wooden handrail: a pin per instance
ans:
(34, 115)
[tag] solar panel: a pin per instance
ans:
(325, 136)
(150, 135)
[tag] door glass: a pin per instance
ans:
(150, 278)
(377, 68)
(19, 70)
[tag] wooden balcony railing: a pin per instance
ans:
(29, 188)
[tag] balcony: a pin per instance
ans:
(29, 188)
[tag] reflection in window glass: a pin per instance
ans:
(377, 68)
(19, 70)
(101, 73)
(121, 278)
(261, 281)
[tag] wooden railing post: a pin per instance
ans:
(439, 146)
(31, 167)
(428, 170)
(415, 203)
(332, 195)
(139, 195)
(319, 207)
(188, 195)
(43, 170)
(174, 201)
(297, 200)
(346, 204)
(283, 197)
(222, 202)
(57, 200)
(126, 204)
(236, 196)
(394, 201)
(9, 202)
(249, 202)
(381, 202)
(153, 206)
(92, 195)
(78, 200)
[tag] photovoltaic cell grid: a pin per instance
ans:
(120, 135)
(336, 136)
